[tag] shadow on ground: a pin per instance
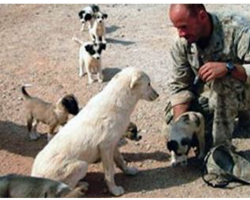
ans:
(109, 73)
(163, 177)
(14, 138)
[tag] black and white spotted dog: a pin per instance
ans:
(188, 131)
(87, 16)
(90, 58)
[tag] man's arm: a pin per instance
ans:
(213, 70)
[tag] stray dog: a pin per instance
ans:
(20, 186)
(90, 58)
(187, 131)
(95, 132)
(98, 30)
(87, 16)
(38, 110)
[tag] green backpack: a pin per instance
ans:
(222, 166)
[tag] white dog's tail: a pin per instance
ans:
(25, 94)
(77, 40)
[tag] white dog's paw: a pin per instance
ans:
(117, 191)
(132, 171)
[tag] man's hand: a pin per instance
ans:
(212, 70)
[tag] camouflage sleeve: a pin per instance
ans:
(243, 48)
(181, 74)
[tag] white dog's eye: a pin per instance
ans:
(149, 84)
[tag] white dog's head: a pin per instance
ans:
(140, 79)
(138, 83)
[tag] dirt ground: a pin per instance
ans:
(36, 48)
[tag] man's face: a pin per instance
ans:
(188, 27)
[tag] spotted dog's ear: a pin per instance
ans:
(105, 15)
(172, 145)
(87, 17)
(103, 46)
(89, 48)
(81, 13)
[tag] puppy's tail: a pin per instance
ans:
(25, 94)
(77, 40)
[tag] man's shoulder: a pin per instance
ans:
(179, 44)
(231, 20)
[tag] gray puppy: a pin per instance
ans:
(188, 131)
(38, 110)
(20, 186)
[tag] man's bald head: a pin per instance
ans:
(192, 9)
(191, 21)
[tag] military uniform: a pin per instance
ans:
(229, 42)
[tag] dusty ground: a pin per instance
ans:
(36, 48)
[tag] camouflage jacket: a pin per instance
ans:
(230, 41)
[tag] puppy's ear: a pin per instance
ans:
(88, 48)
(87, 17)
(172, 145)
(105, 15)
(81, 13)
(135, 80)
(70, 104)
(103, 46)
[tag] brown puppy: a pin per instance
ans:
(52, 115)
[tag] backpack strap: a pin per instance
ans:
(209, 182)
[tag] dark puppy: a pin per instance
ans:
(132, 132)
(19, 186)
(38, 110)
(87, 16)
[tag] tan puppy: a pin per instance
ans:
(38, 110)
(90, 59)
(98, 31)
(20, 186)
(95, 132)
(187, 131)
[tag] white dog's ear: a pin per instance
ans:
(135, 80)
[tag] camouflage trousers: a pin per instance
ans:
(229, 99)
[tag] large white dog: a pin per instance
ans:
(94, 133)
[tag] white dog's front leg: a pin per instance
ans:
(122, 165)
(107, 156)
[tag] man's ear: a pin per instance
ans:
(202, 15)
